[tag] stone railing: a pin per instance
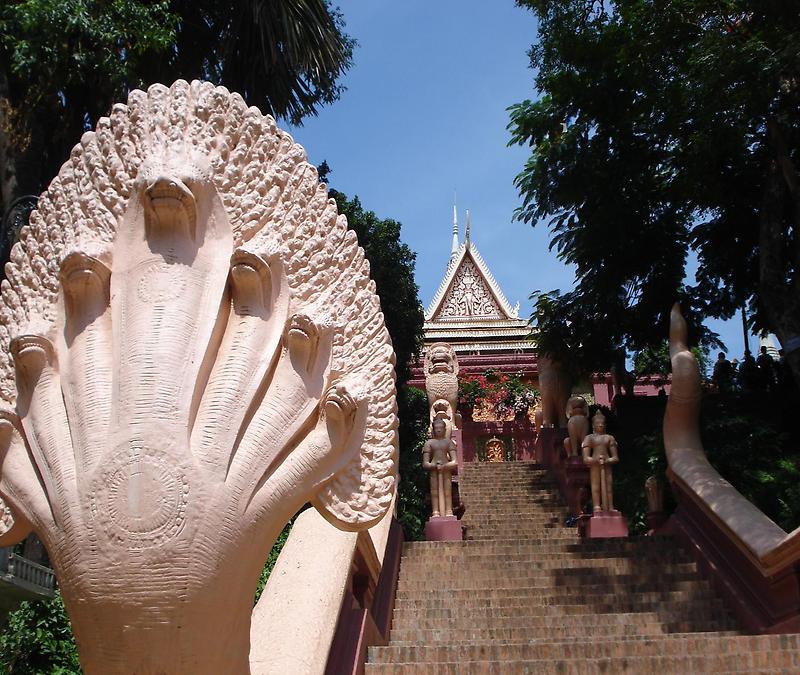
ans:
(330, 596)
(570, 473)
(26, 573)
(748, 557)
(366, 615)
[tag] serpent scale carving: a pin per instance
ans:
(195, 350)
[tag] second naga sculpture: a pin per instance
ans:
(196, 351)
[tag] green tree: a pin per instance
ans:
(63, 63)
(392, 269)
(413, 489)
(38, 640)
(664, 128)
(654, 360)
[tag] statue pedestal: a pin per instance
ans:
(576, 481)
(443, 528)
(607, 524)
(655, 521)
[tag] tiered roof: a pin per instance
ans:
(470, 311)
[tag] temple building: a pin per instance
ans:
(470, 312)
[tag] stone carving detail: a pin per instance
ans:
(196, 350)
(441, 384)
(495, 450)
(469, 295)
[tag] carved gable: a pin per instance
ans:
(469, 294)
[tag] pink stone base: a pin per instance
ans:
(443, 528)
(607, 524)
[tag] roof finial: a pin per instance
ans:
(455, 246)
(466, 238)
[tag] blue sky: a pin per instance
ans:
(424, 116)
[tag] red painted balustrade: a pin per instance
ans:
(747, 556)
(366, 615)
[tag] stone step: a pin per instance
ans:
(513, 499)
(569, 624)
(518, 520)
(523, 594)
(429, 632)
(538, 596)
(564, 614)
(556, 584)
(568, 571)
(452, 635)
(500, 492)
(656, 665)
(609, 547)
(696, 645)
(544, 553)
(552, 533)
(551, 574)
(544, 587)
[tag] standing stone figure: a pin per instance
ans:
(439, 458)
(577, 425)
(600, 452)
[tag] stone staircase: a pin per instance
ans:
(523, 595)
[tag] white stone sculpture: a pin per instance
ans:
(441, 384)
(196, 350)
(470, 295)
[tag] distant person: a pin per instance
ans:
(749, 376)
(723, 374)
(784, 377)
(766, 369)
(735, 384)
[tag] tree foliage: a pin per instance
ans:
(654, 360)
(413, 488)
(665, 128)
(38, 640)
(63, 63)
(392, 269)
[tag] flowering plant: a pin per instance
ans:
(505, 395)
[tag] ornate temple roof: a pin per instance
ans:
(470, 311)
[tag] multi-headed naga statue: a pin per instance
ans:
(193, 349)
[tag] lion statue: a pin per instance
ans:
(441, 383)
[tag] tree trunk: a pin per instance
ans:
(780, 295)
(8, 172)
